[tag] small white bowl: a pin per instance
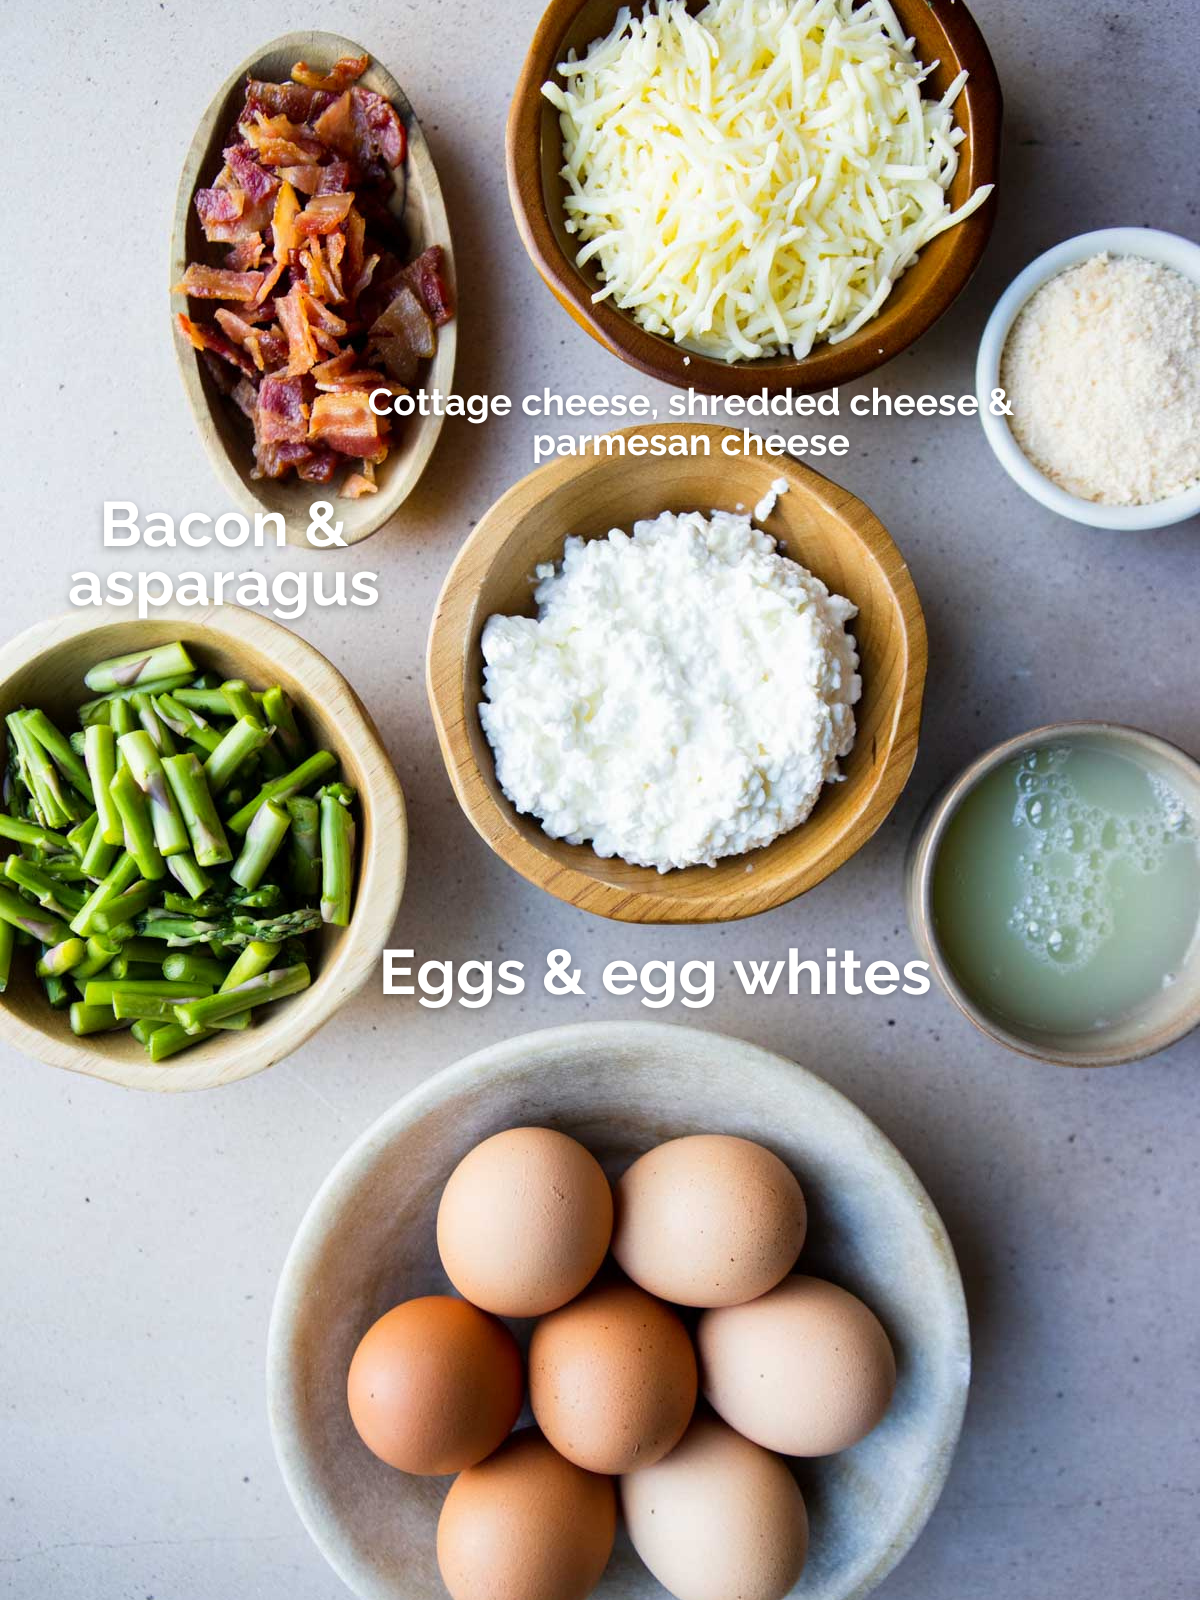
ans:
(369, 1240)
(1152, 245)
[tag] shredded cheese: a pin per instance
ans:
(754, 178)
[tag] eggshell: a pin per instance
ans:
(524, 1222)
(612, 1379)
(806, 1370)
(435, 1385)
(709, 1220)
(526, 1525)
(718, 1517)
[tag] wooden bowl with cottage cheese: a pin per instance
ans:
(819, 525)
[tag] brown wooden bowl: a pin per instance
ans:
(823, 527)
(944, 30)
(418, 206)
(45, 666)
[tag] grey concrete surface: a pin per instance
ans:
(142, 1237)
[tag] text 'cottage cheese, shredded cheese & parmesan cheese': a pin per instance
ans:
(683, 694)
(754, 178)
(1102, 370)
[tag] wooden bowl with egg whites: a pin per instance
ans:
(944, 31)
(45, 666)
(420, 210)
(368, 1241)
(823, 527)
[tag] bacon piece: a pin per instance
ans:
(250, 175)
(335, 126)
(345, 71)
(380, 132)
(402, 336)
(336, 176)
(279, 142)
(358, 484)
(245, 397)
(323, 214)
(347, 424)
(203, 337)
(296, 101)
(215, 206)
(283, 223)
(427, 275)
(217, 283)
(272, 278)
(281, 416)
(307, 179)
(246, 253)
(293, 319)
(319, 467)
(239, 332)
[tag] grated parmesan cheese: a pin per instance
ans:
(756, 177)
(1102, 370)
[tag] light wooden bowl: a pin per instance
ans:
(45, 667)
(945, 32)
(823, 527)
(368, 1241)
(417, 203)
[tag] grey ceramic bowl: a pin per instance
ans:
(1161, 1021)
(368, 1242)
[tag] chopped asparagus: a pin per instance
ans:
(266, 833)
(186, 777)
(140, 667)
(337, 860)
(291, 783)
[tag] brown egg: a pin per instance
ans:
(435, 1385)
(526, 1525)
(709, 1220)
(806, 1370)
(524, 1222)
(718, 1517)
(612, 1379)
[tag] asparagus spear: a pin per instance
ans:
(121, 875)
(152, 724)
(187, 723)
(100, 755)
(82, 834)
(19, 831)
(143, 1028)
(59, 959)
(264, 836)
(59, 898)
(38, 724)
(184, 966)
(186, 777)
(124, 908)
(196, 1015)
(169, 1040)
(187, 871)
(130, 1006)
(87, 1019)
(241, 742)
(304, 848)
(239, 701)
(99, 856)
(209, 701)
(39, 924)
(337, 860)
(140, 755)
(134, 812)
(254, 959)
(277, 709)
(100, 952)
(57, 990)
(291, 783)
(124, 719)
(40, 776)
(139, 668)
(8, 941)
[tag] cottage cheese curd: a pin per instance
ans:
(683, 694)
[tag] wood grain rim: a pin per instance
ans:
(383, 857)
(678, 896)
(903, 319)
(360, 518)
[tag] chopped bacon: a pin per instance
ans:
(305, 206)
(254, 179)
(323, 214)
(204, 337)
(217, 283)
(293, 319)
(346, 70)
(347, 424)
(427, 275)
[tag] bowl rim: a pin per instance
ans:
(452, 627)
(1152, 244)
(376, 906)
(419, 157)
(508, 1056)
(827, 366)
(922, 860)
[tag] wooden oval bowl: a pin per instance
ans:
(416, 202)
(368, 1241)
(820, 525)
(45, 667)
(944, 31)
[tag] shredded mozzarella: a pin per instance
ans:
(754, 178)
